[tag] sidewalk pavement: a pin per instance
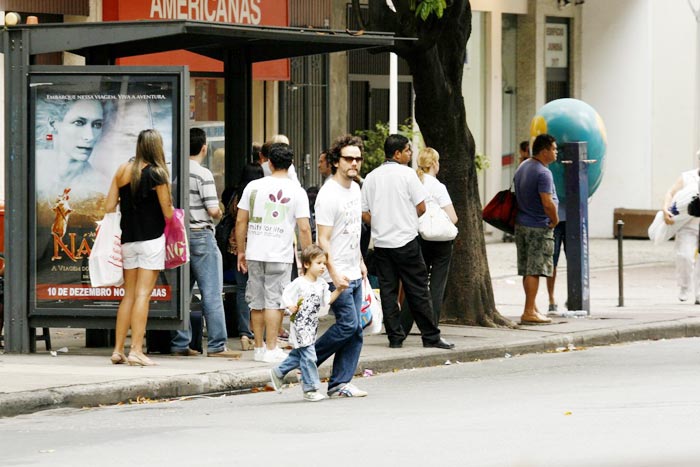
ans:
(83, 377)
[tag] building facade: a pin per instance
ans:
(634, 61)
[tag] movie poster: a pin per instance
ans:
(82, 127)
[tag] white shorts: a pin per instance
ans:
(149, 254)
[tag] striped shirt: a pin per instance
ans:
(202, 196)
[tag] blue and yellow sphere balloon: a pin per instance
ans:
(569, 121)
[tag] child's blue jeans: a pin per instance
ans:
(303, 358)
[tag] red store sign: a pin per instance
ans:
(254, 12)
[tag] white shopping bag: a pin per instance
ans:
(371, 303)
(105, 262)
(660, 232)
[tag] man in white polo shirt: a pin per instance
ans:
(392, 199)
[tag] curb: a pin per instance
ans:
(93, 395)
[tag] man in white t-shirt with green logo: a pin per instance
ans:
(268, 211)
(392, 199)
(339, 223)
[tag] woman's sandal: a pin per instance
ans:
(118, 358)
(140, 360)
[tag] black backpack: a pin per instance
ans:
(222, 233)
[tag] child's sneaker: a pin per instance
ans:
(277, 382)
(346, 390)
(313, 396)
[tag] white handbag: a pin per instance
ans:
(435, 225)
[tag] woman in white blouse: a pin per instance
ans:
(437, 255)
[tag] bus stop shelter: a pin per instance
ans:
(237, 46)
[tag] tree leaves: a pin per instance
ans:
(426, 7)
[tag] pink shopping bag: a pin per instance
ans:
(177, 250)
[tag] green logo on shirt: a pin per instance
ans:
(275, 209)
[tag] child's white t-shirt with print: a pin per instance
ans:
(313, 295)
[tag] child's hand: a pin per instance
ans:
(342, 286)
(293, 308)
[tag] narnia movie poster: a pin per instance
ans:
(82, 127)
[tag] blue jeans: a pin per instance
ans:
(303, 358)
(344, 337)
(242, 309)
(206, 268)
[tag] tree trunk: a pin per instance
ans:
(436, 61)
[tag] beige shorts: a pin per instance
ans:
(149, 254)
(266, 282)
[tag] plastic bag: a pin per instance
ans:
(177, 249)
(105, 261)
(660, 232)
(371, 315)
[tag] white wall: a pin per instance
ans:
(673, 91)
(638, 72)
(2, 119)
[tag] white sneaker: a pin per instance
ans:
(346, 390)
(258, 354)
(274, 356)
(313, 396)
(683, 295)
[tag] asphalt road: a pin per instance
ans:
(627, 405)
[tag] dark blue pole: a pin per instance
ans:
(577, 260)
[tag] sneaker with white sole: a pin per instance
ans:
(313, 396)
(346, 390)
(277, 382)
(274, 356)
(258, 354)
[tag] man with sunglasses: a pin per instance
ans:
(338, 223)
(393, 198)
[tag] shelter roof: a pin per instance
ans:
(259, 43)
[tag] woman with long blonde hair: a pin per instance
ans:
(142, 189)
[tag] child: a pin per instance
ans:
(304, 297)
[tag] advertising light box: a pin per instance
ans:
(83, 125)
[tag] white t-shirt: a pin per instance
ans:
(390, 194)
(437, 191)
(313, 296)
(274, 204)
(340, 208)
(291, 172)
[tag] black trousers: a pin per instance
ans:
(405, 263)
(437, 256)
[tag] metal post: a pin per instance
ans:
(238, 73)
(577, 258)
(17, 331)
(620, 275)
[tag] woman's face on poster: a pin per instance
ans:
(79, 130)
